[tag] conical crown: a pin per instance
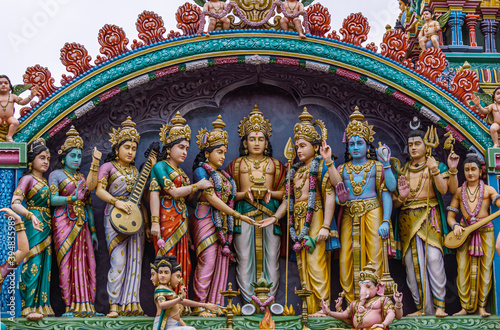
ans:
(255, 122)
(177, 130)
(305, 129)
(126, 132)
(73, 140)
(358, 127)
(217, 136)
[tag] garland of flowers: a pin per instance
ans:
(233, 5)
(299, 240)
(262, 305)
(217, 218)
(479, 203)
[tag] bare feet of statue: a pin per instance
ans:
(34, 316)
(461, 313)
(302, 35)
(417, 313)
(483, 312)
(206, 314)
(494, 146)
(440, 312)
(112, 314)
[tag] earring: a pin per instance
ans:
(265, 151)
(168, 154)
(246, 151)
(30, 165)
(117, 157)
(62, 161)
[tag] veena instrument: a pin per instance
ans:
(452, 242)
(129, 224)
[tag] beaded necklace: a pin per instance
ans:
(4, 107)
(465, 198)
(257, 166)
(129, 173)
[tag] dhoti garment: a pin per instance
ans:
(360, 243)
(420, 233)
(314, 268)
(257, 249)
(475, 267)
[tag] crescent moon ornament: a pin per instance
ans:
(415, 124)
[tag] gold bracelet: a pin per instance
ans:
(155, 219)
(325, 227)
(112, 201)
(69, 199)
(94, 167)
(388, 166)
(20, 226)
(339, 310)
(399, 200)
(436, 173)
(28, 216)
(453, 173)
(236, 214)
(92, 229)
(275, 221)
(194, 187)
(399, 306)
(330, 163)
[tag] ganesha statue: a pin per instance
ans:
(372, 310)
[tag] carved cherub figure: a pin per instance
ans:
(292, 7)
(429, 30)
(493, 112)
(7, 100)
(217, 7)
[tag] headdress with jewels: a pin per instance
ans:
(177, 130)
(126, 132)
(36, 143)
(217, 136)
(358, 127)
(369, 273)
(73, 140)
(305, 129)
(255, 122)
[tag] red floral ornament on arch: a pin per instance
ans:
(38, 75)
(188, 18)
(319, 19)
(355, 29)
(463, 85)
(431, 63)
(76, 59)
(150, 27)
(113, 42)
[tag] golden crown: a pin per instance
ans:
(178, 130)
(38, 141)
(369, 273)
(359, 128)
(255, 122)
(305, 129)
(217, 136)
(126, 132)
(73, 140)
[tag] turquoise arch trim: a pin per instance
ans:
(114, 73)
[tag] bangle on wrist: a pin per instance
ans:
(329, 163)
(28, 215)
(155, 219)
(388, 166)
(236, 215)
(92, 229)
(453, 172)
(69, 199)
(399, 200)
(194, 187)
(112, 201)
(436, 173)
(325, 227)
(94, 167)
(455, 224)
(20, 226)
(385, 220)
(399, 306)
(275, 220)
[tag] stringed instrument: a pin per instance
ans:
(129, 224)
(452, 242)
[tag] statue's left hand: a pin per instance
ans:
(266, 222)
(325, 151)
(322, 235)
(95, 242)
(34, 90)
(385, 159)
(453, 160)
(378, 325)
(383, 230)
(325, 308)
(149, 237)
(81, 190)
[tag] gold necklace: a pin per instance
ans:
(416, 190)
(302, 173)
(217, 9)
(127, 172)
(357, 187)
(257, 166)
(290, 9)
(474, 194)
(185, 178)
(4, 108)
(72, 177)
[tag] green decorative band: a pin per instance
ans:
(136, 68)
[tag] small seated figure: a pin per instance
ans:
(493, 112)
(292, 7)
(373, 310)
(429, 31)
(7, 100)
(217, 7)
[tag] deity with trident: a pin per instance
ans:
(420, 226)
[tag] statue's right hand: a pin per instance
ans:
(338, 304)
(248, 220)
(475, 100)
(404, 187)
(155, 229)
(249, 194)
(11, 213)
(124, 206)
(96, 154)
(458, 231)
(325, 308)
(204, 184)
(342, 193)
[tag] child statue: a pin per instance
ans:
(116, 179)
(23, 246)
(33, 189)
(475, 255)
(213, 219)
(429, 31)
(7, 100)
(216, 7)
(312, 204)
(493, 112)
(75, 235)
(292, 7)
(372, 310)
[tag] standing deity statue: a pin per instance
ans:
(214, 217)
(169, 187)
(367, 204)
(260, 184)
(116, 179)
(312, 204)
(475, 255)
(419, 227)
(74, 232)
(34, 190)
